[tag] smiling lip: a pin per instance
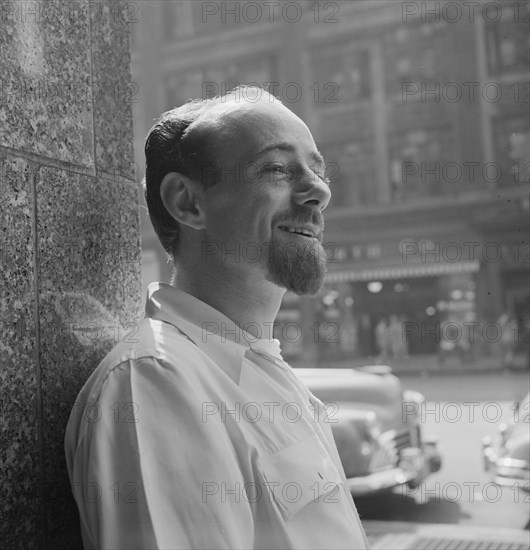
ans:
(302, 230)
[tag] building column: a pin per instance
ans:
(70, 274)
(379, 110)
(485, 107)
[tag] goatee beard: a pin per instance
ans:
(298, 267)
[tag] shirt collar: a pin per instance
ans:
(220, 337)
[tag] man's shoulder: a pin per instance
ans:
(152, 338)
(154, 357)
(149, 344)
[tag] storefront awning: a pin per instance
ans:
(377, 273)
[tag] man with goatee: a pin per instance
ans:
(222, 445)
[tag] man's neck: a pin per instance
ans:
(250, 303)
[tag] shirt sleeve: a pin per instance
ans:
(150, 472)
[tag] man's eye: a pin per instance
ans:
(274, 170)
(277, 168)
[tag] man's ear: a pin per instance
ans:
(180, 195)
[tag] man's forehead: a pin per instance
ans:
(249, 124)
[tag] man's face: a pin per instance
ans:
(264, 216)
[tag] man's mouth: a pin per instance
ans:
(298, 230)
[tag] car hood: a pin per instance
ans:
(352, 389)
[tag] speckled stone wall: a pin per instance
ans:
(69, 242)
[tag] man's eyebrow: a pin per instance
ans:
(288, 147)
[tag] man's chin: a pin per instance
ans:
(310, 287)
(298, 268)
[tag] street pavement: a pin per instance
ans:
(407, 536)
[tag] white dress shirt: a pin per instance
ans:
(197, 435)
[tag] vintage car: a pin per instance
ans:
(376, 425)
(508, 458)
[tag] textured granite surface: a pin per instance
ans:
(88, 267)
(69, 243)
(45, 80)
(19, 451)
(114, 92)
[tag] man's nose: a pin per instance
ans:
(311, 189)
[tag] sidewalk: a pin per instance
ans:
(394, 535)
(418, 364)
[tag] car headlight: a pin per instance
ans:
(372, 431)
(514, 468)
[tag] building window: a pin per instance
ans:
(508, 47)
(218, 79)
(351, 171)
(417, 162)
(177, 20)
(251, 71)
(512, 141)
(415, 55)
(211, 17)
(341, 73)
(182, 87)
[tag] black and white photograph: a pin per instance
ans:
(265, 275)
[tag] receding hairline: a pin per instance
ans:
(215, 113)
(228, 117)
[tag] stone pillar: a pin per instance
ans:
(69, 243)
(380, 111)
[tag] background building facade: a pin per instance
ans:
(421, 111)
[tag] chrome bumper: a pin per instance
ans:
(505, 471)
(378, 481)
(414, 466)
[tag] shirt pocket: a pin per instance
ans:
(299, 475)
